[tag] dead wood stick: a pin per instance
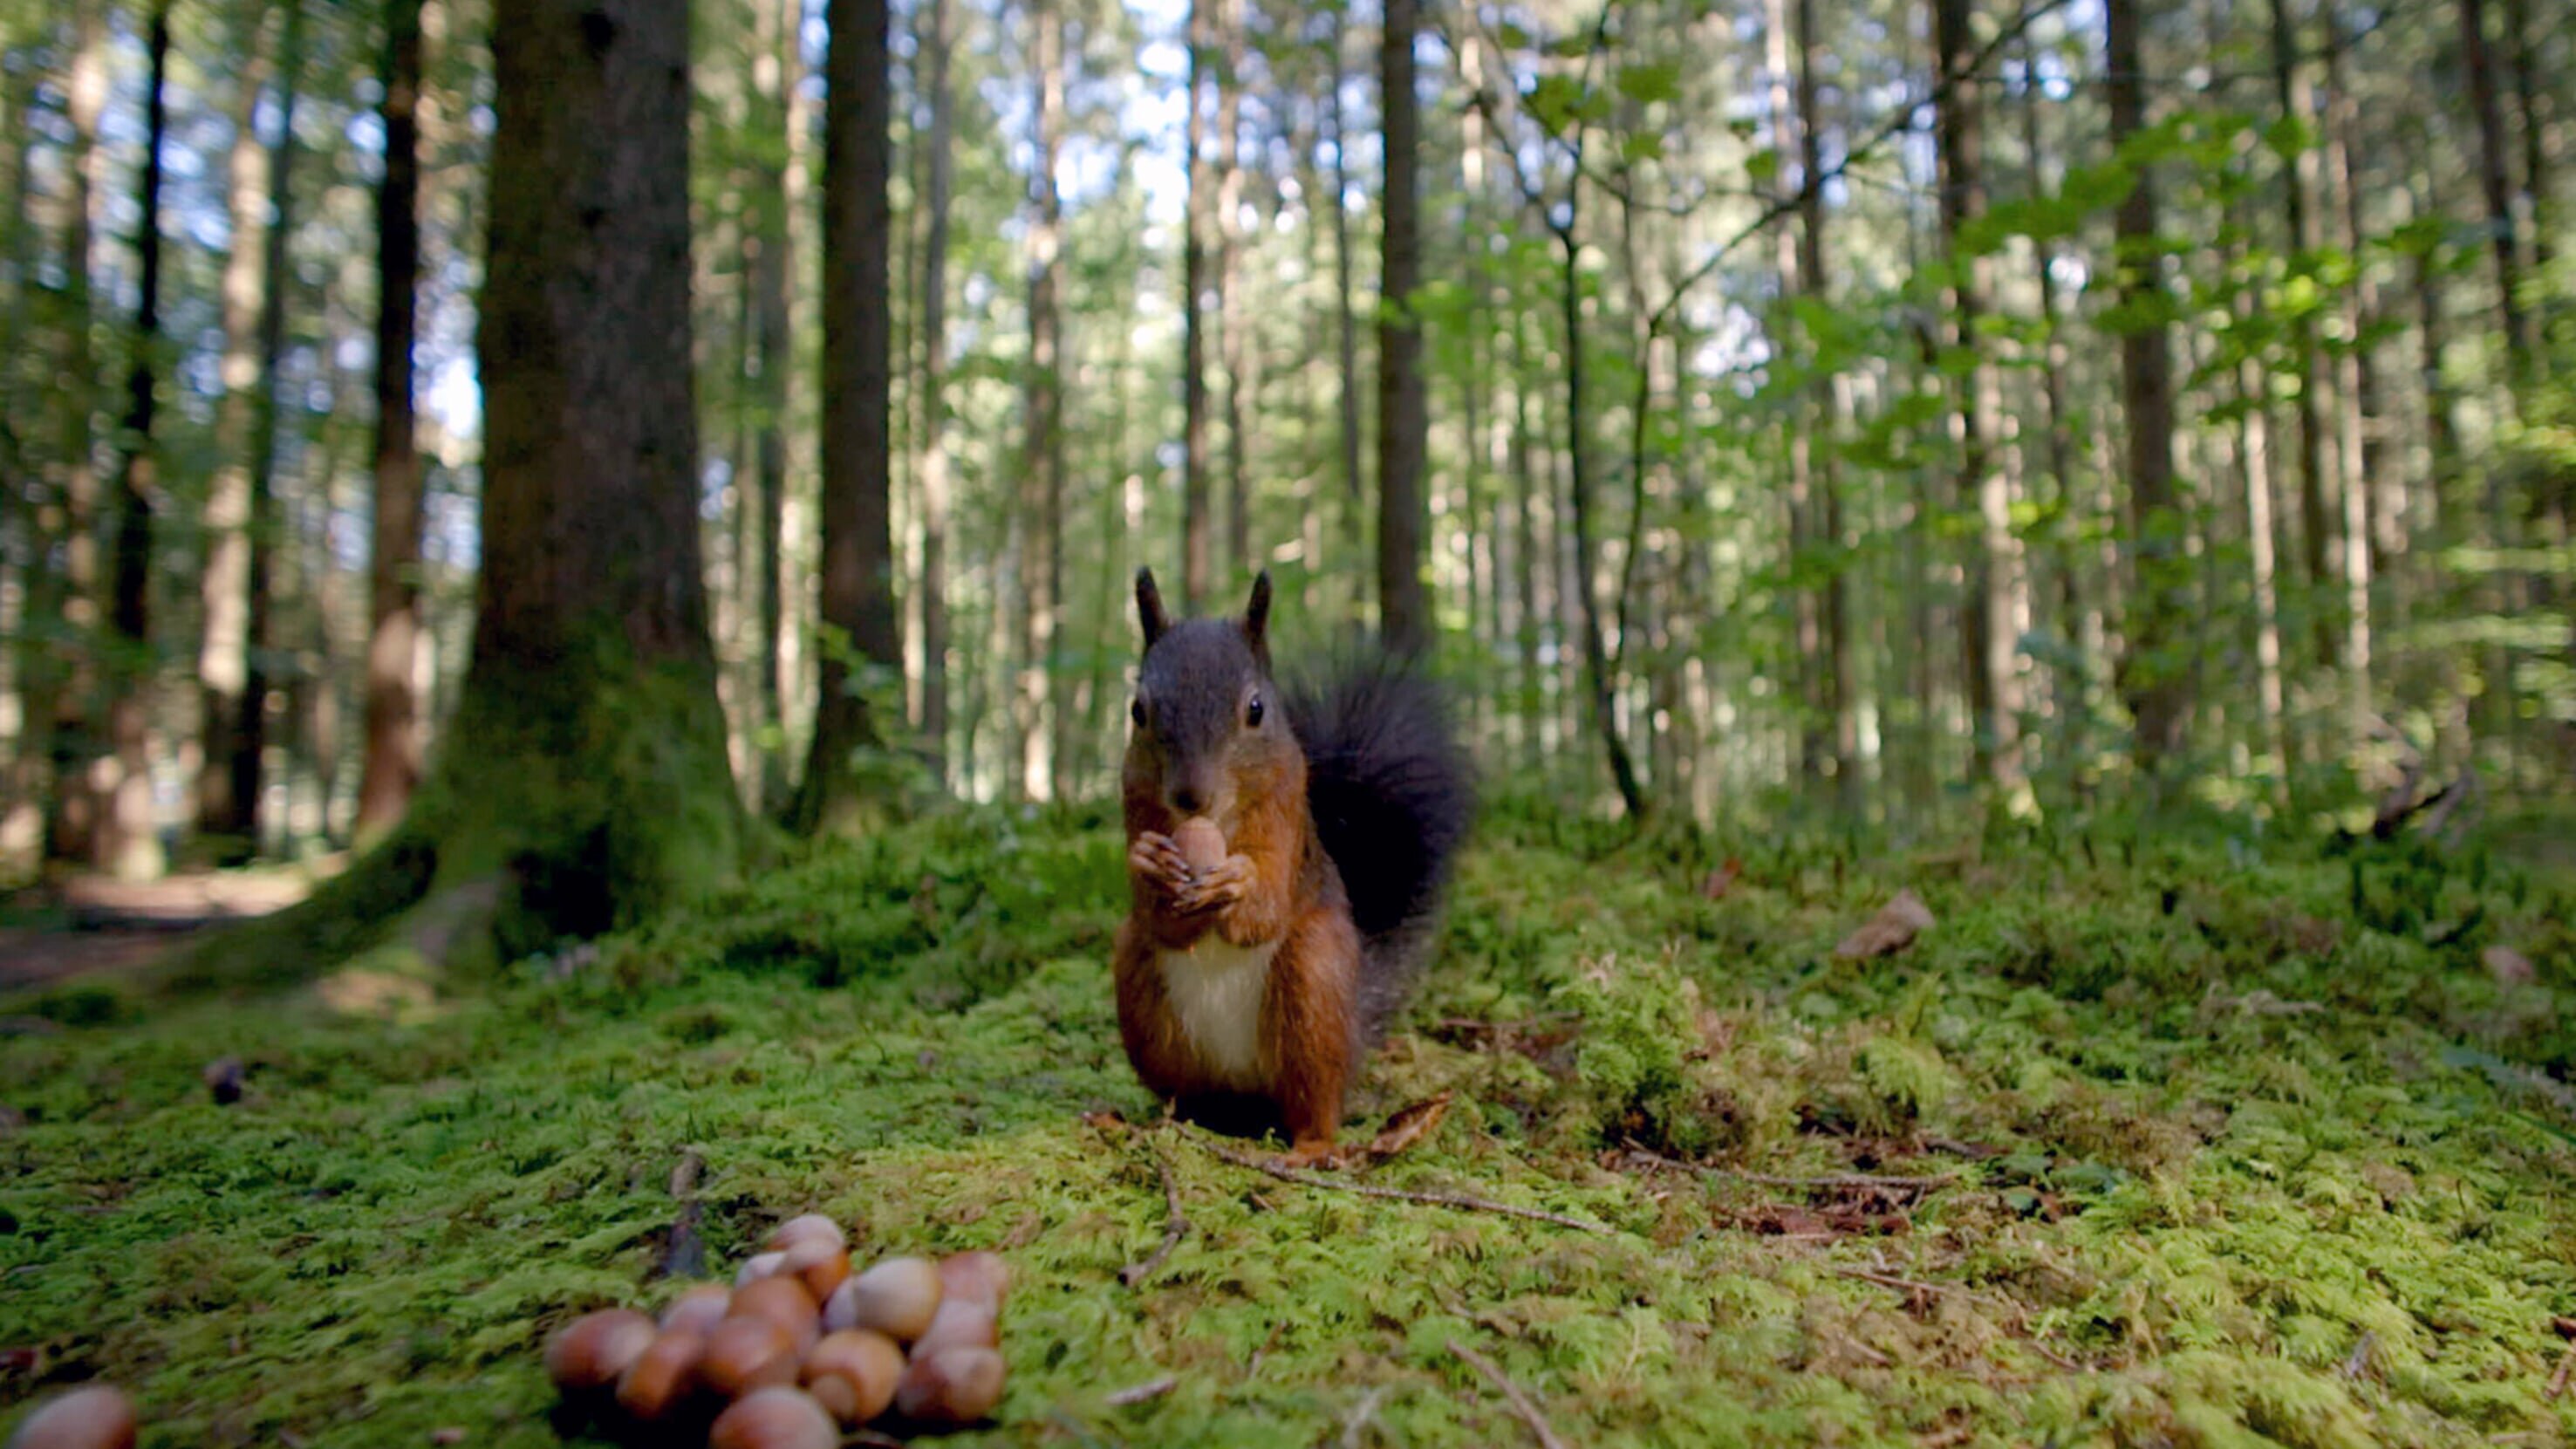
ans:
(1154, 1389)
(2558, 1380)
(1175, 1227)
(1435, 1199)
(1520, 1402)
(1360, 1416)
(684, 1253)
(1765, 1179)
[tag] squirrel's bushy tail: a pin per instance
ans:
(1391, 794)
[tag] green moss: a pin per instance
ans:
(2234, 1166)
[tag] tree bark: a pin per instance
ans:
(1841, 678)
(1404, 608)
(2154, 685)
(250, 727)
(1355, 491)
(72, 825)
(1990, 642)
(2297, 103)
(772, 271)
(1233, 317)
(223, 589)
(128, 846)
(1196, 239)
(858, 548)
(1038, 522)
(2497, 187)
(932, 464)
(393, 727)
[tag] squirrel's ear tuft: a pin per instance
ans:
(1256, 616)
(1149, 607)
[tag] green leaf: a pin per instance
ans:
(1763, 165)
(1642, 146)
(1647, 84)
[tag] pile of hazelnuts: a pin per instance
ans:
(799, 1349)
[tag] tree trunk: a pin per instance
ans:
(392, 765)
(250, 729)
(932, 464)
(223, 589)
(1596, 657)
(858, 548)
(1233, 317)
(1039, 520)
(1986, 625)
(1842, 685)
(2153, 683)
(2071, 684)
(773, 268)
(2498, 190)
(2298, 103)
(1200, 229)
(128, 845)
(1355, 492)
(1807, 615)
(1404, 608)
(2353, 387)
(72, 828)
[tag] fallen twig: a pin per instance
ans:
(1435, 1199)
(1520, 1402)
(1175, 1227)
(1765, 1179)
(684, 1253)
(1360, 1417)
(2558, 1380)
(1154, 1389)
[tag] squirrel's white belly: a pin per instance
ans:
(1216, 991)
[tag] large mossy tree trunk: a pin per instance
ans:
(583, 782)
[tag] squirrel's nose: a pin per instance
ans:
(1186, 800)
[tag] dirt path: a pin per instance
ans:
(90, 924)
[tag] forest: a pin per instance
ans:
(570, 603)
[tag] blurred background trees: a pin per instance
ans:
(1753, 406)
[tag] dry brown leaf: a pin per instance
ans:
(1721, 880)
(1408, 1126)
(2508, 966)
(1890, 931)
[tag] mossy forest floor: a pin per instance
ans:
(2234, 1145)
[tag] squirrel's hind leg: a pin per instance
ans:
(1307, 1036)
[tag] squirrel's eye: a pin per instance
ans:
(1136, 712)
(1252, 713)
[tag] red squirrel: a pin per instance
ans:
(1254, 980)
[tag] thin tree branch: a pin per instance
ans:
(1175, 1227)
(1434, 1199)
(1520, 1401)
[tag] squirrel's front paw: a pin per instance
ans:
(1153, 856)
(1217, 887)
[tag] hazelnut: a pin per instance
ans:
(950, 1387)
(977, 1277)
(95, 1416)
(811, 1226)
(774, 1418)
(853, 1373)
(757, 1267)
(896, 1298)
(1201, 843)
(663, 1377)
(590, 1352)
(783, 1301)
(746, 1353)
(818, 1264)
(960, 1323)
(841, 1310)
(699, 1310)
